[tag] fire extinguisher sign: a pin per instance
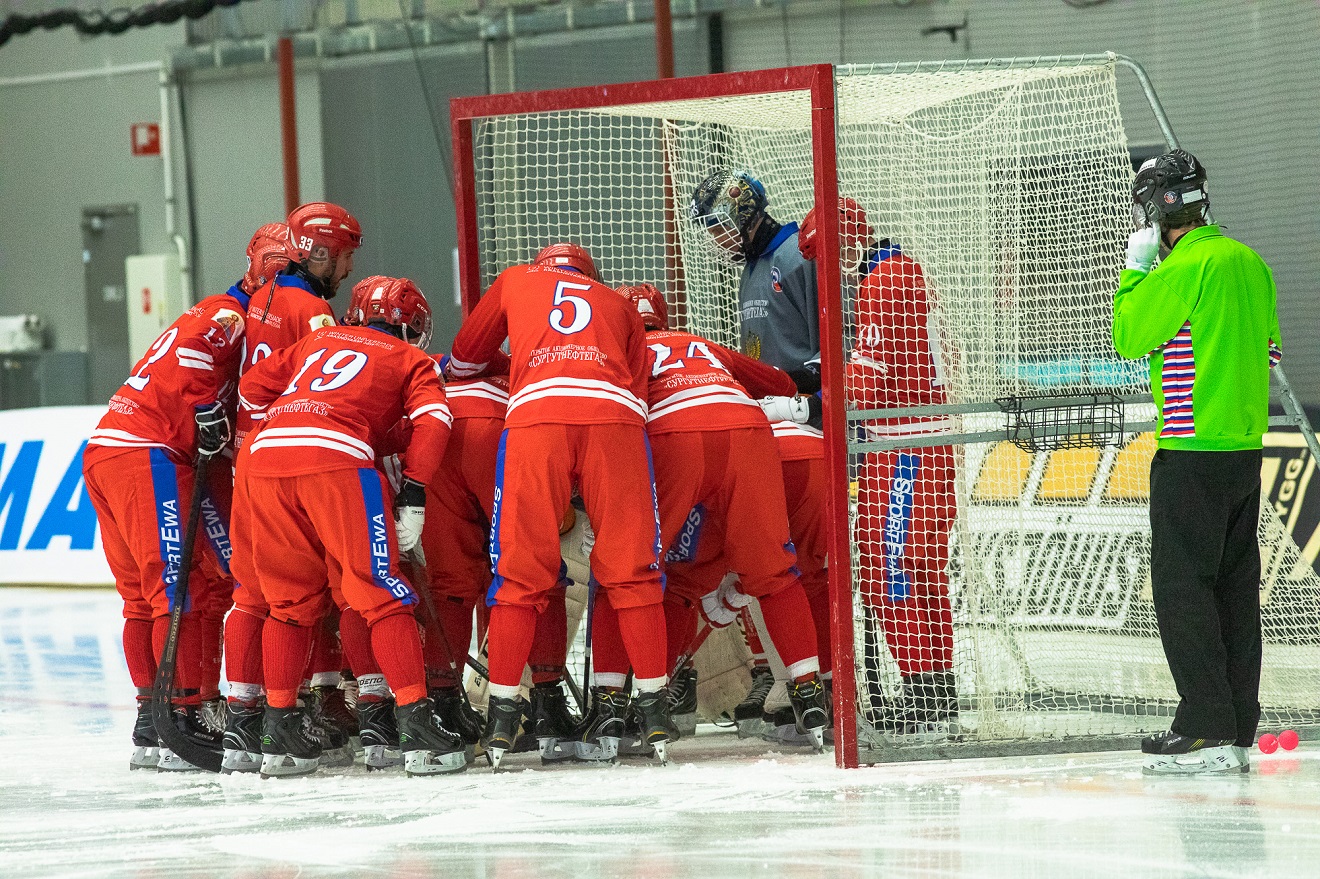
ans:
(145, 138)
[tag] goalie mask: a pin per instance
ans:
(568, 256)
(650, 304)
(397, 302)
(267, 253)
(1166, 185)
(729, 204)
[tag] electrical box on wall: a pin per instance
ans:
(154, 296)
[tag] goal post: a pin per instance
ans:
(1008, 182)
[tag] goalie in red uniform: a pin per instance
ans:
(319, 512)
(577, 414)
(906, 501)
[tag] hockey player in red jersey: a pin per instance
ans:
(138, 467)
(711, 444)
(577, 413)
(906, 502)
(319, 513)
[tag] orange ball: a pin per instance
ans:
(1268, 744)
(1288, 739)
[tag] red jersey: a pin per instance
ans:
(896, 361)
(282, 312)
(484, 396)
(193, 363)
(798, 442)
(577, 348)
(331, 400)
(697, 385)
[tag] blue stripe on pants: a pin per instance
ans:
(169, 520)
(898, 524)
(378, 525)
(497, 581)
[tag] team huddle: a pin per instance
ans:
(362, 501)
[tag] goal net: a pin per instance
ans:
(1008, 185)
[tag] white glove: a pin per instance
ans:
(722, 604)
(786, 409)
(1143, 245)
(409, 514)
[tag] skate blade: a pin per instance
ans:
(337, 757)
(144, 758)
(662, 751)
(633, 746)
(686, 724)
(172, 762)
(553, 750)
(381, 757)
(788, 735)
(603, 750)
(416, 763)
(287, 765)
(753, 728)
(494, 756)
(1226, 760)
(240, 761)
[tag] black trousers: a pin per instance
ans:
(1205, 575)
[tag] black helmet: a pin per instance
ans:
(1167, 184)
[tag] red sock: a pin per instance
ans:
(786, 615)
(139, 653)
(398, 650)
(243, 648)
(819, 599)
(212, 649)
(937, 615)
(902, 623)
(284, 650)
(327, 657)
(643, 630)
(187, 655)
(356, 638)
(608, 656)
(680, 629)
(456, 620)
(550, 642)
(512, 628)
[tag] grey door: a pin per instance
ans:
(110, 235)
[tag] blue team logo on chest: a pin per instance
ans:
(775, 279)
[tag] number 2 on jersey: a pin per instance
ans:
(695, 349)
(138, 380)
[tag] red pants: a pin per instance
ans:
(804, 490)
(906, 508)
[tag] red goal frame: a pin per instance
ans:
(819, 81)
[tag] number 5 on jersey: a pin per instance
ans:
(581, 309)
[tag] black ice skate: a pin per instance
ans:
(810, 709)
(146, 749)
(748, 715)
(336, 708)
(242, 739)
(457, 714)
(503, 720)
(1169, 753)
(682, 695)
(552, 722)
(336, 749)
(428, 748)
(928, 710)
(379, 734)
(597, 737)
(657, 729)
(190, 721)
(289, 743)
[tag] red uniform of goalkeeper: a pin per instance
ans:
(577, 414)
(906, 502)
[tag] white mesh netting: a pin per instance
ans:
(1026, 575)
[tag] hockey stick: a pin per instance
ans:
(692, 648)
(586, 642)
(161, 709)
(417, 559)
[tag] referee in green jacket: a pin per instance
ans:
(1206, 316)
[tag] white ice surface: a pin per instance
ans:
(70, 807)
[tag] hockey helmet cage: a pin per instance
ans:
(650, 304)
(322, 225)
(1167, 184)
(730, 198)
(398, 303)
(565, 254)
(854, 230)
(267, 253)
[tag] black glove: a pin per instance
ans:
(212, 429)
(807, 378)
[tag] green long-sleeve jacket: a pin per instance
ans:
(1207, 317)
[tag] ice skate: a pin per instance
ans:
(748, 714)
(146, 749)
(682, 695)
(336, 749)
(457, 713)
(1169, 753)
(242, 740)
(289, 744)
(379, 734)
(928, 711)
(552, 722)
(810, 710)
(503, 718)
(337, 706)
(192, 723)
(598, 736)
(657, 728)
(428, 748)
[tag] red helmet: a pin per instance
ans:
(355, 314)
(397, 302)
(320, 224)
(650, 304)
(853, 228)
(568, 255)
(267, 253)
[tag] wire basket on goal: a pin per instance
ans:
(1043, 422)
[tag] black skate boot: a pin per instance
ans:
(657, 729)
(289, 744)
(597, 736)
(146, 749)
(749, 713)
(928, 710)
(242, 739)
(552, 722)
(503, 720)
(682, 695)
(810, 710)
(428, 748)
(336, 749)
(457, 714)
(379, 733)
(337, 709)
(192, 723)
(1169, 753)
